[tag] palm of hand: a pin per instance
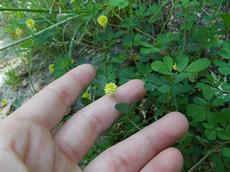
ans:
(26, 143)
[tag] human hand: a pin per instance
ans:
(26, 142)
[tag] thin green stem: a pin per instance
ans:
(29, 61)
(136, 28)
(38, 33)
(207, 155)
(35, 10)
(170, 14)
(133, 123)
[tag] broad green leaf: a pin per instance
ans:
(180, 77)
(165, 89)
(181, 62)
(208, 126)
(226, 19)
(207, 91)
(224, 70)
(226, 152)
(149, 50)
(168, 61)
(223, 135)
(130, 22)
(196, 112)
(122, 107)
(137, 39)
(198, 65)
(225, 51)
(146, 44)
(163, 40)
(200, 101)
(178, 89)
(221, 63)
(101, 80)
(219, 117)
(210, 134)
(218, 102)
(158, 66)
(119, 3)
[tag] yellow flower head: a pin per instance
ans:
(110, 88)
(86, 95)
(51, 68)
(174, 67)
(30, 23)
(4, 102)
(103, 21)
(18, 32)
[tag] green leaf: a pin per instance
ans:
(148, 48)
(158, 66)
(225, 51)
(223, 135)
(224, 70)
(207, 91)
(210, 134)
(208, 126)
(147, 51)
(226, 152)
(119, 3)
(168, 61)
(164, 89)
(226, 19)
(122, 107)
(181, 62)
(101, 80)
(180, 77)
(198, 65)
(197, 113)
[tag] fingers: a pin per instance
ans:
(51, 103)
(136, 151)
(169, 160)
(79, 133)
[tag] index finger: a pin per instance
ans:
(50, 104)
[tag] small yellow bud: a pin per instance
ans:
(30, 23)
(110, 88)
(86, 95)
(18, 32)
(174, 67)
(4, 102)
(103, 21)
(51, 68)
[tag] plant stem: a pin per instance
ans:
(29, 61)
(133, 123)
(206, 156)
(136, 28)
(38, 33)
(170, 14)
(35, 10)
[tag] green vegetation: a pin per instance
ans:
(180, 48)
(11, 78)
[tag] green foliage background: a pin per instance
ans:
(180, 48)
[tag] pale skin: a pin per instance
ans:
(26, 142)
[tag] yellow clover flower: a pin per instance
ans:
(4, 102)
(30, 23)
(110, 88)
(51, 68)
(102, 21)
(18, 32)
(86, 95)
(174, 67)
